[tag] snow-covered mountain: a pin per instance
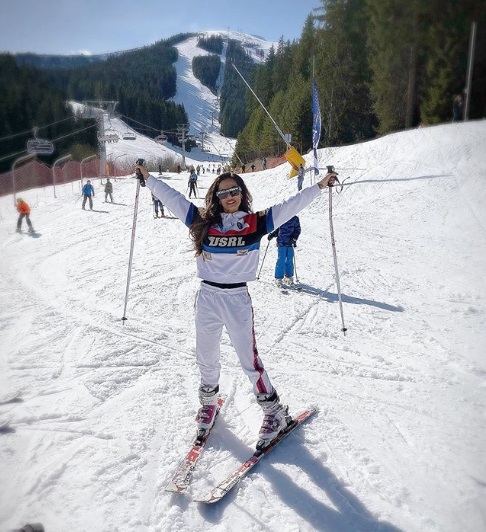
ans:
(107, 409)
(201, 105)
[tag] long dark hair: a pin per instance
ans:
(210, 214)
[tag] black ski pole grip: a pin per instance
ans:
(140, 177)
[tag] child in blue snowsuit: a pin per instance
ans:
(287, 235)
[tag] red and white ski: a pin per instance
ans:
(182, 477)
(234, 478)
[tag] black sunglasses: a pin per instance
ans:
(223, 194)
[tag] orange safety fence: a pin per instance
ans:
(36, 174)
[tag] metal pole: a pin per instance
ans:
(85, 160)
(470, 66)
(102, 147)
(266, 249)
(114, 163)
(18, 161)
(295, 268)
(333, 243)
(132, 243)
(60, 160)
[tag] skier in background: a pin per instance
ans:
(300, 177)
(457, 108)
(158, 205)
(88, 193)
(108, 190)
(192, 184)
(226, 235)
(287, 235)
(24, 212)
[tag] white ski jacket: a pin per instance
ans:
(231, 250)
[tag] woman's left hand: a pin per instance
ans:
(142, 170)
(327, 180)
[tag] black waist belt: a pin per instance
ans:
(230, 285)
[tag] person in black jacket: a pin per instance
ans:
(287, 235)
(457, 108)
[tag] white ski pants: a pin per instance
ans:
(229, 307)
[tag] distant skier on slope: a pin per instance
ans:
(300, 177)
(24, 212)
(158, 205)
(226, 235)
(88, 194)
(108, 190)
(192, 184)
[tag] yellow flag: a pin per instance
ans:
(294, 158)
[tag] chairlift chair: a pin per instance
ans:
(40, 146)
(128, 135)
(109, 137)
(160, 139)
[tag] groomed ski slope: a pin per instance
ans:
(107, 409)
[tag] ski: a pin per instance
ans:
(182, 477)
(234, 478)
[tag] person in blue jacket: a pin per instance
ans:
(287, 235)
(88, 194)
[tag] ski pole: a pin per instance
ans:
(140, 181)
(333, 243)
(295, 267)
(265, 254)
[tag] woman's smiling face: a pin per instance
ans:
(230, 203)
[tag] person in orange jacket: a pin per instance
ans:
(24, 212)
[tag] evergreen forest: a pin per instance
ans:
(379, 65)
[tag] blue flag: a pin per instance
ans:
(316, 124)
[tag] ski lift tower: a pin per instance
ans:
(97, 109)
(182, 130)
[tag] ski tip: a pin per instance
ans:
(209, 499)
(174, 488)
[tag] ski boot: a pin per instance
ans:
(275, 421)
(289, 281)
(208, 397)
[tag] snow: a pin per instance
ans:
(107, 408)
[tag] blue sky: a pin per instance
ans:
(98, 26)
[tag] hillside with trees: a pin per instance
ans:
(212, 44)
(27, 99)
(233, 104)
(206, 68)
(380, 66)
(141, 80)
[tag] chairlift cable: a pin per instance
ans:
(29, 132)
(12, 155)
(73, 133)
